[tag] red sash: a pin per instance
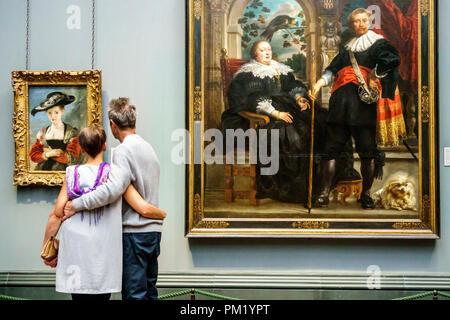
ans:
(390, 122)
(347, 75)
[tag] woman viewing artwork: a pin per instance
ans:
(56, 145)
(89, 261)
(268, 87)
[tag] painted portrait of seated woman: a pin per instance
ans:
(268, 87)
(56, 145)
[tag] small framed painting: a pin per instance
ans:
(50, 109)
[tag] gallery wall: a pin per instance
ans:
(140, 48)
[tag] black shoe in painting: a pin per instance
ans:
(367, 202)
(322, 201)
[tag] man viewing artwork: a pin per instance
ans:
(141, 234)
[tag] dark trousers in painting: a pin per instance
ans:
(339, 135)
(140, 265)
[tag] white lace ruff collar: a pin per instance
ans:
(363, 42)
(261, 70)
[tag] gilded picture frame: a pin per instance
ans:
(214, 29)
(76, 96)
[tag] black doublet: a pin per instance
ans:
(346, 108)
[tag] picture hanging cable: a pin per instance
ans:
(27, 44)
(93, 35)
(27, 41)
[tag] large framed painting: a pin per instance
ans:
(312, 118)
(50, 109)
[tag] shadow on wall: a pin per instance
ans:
(35, 194)
(345, 254)
(105, 125)
(105, 103)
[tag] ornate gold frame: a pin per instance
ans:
(21, 80)
(427, 224)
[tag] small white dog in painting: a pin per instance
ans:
(398, 193)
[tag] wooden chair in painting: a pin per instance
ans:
(228, 68)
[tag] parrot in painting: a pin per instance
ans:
(278, 23)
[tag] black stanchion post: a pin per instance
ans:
(435, 295)
(192, 294)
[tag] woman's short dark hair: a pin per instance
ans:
(254, 48)
(92, 139)
(122, 112)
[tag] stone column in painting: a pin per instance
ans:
(215, 33)
(311, 40)
(235, 41)
(329, 48)
(329, 39)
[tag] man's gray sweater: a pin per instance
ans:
(139, 165)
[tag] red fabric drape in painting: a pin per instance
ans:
(401, 30)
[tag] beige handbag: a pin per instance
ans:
(50, 249)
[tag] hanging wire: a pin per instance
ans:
(27, 44)
(27, 41)
(93, 35)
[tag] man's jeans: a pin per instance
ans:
(140, 265)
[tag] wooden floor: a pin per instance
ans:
(216, 207)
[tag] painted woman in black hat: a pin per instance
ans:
(57, 145)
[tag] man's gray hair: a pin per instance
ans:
(122, 113)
